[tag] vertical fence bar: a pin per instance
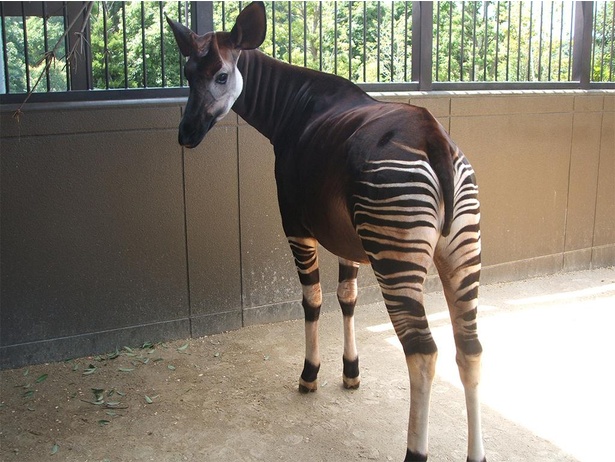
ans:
(450, 38)
(540, 41)
(463, 21)
(581, 53)
(392, 78)
(273, 29)
(320, 36)
(125, 45)
(473, 70)
(143, 56)
(422, 43)
(486, 22)
(305, 50)
(335, 38)
(46, 45)
(612, 44)
(550, 43)
(162, 48)
(290, 28)
(25, 45)
(349, 40)
(105, 44)
(378, 45)
(364, 41)
(5, 66)
(497, 39)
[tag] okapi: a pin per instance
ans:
(373, 182)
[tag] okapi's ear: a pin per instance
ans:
(250, 28)
(185, 38)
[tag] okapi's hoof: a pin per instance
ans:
(351, 383)
(307, 387)
(351, 376)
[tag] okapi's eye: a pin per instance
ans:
(222, 78)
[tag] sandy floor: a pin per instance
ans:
(548, 376)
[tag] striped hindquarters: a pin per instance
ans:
(398, 214)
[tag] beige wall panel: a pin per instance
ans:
(511, 104)
(521, 163)
(585, 156)
(605, 202)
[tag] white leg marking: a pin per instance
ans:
(421, 369)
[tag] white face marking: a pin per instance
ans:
(229, 92)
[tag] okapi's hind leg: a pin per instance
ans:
(306, 260)
(347, 297)
(401, 275)
(458, 259)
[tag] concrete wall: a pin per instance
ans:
(113, 235)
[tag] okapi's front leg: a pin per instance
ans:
(306, 260)
(347, 297)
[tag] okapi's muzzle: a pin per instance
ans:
(192, 131)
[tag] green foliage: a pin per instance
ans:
(131, 46)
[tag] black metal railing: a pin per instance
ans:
(68, 49)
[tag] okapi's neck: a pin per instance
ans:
(279, 100)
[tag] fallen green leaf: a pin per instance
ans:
(183, 347)
(103, 422)
(125, 369)
(54, 449)
(148, 400)
(171, 367)
(28, 394)
(90, 370)
(42, 378)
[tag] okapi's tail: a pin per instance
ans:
(440, 152)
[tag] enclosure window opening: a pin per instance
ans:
(68, 47)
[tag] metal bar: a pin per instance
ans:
(392, 78)
(422, 43)
(335, 38)
(162, 49)
(143, 54)
(364, 41)
(450, 38)
(406, 41)
(25, 46)
(125, 46)
(509, 23)
(497, 38)
(581, 53)
(5, 65)
(561, 41)
(603, 42)
(612, 43)
(305, 34)
(473, 72)
(46, 45)
(349, 40)
(530, 72)
(463, 20)
(320, 36)
(550, 42)
(105, 45)
(540, 41)
(273, 29)
(290, 28)
(519, 41)
(202, 17)
(486, 4)
(378, 45)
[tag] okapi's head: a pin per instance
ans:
(211, 69)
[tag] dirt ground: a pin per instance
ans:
(548, 377)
